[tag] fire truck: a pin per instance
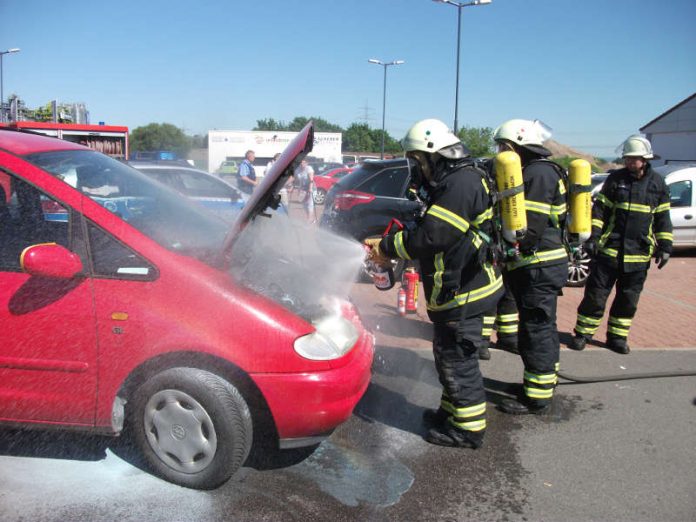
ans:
(109, 139)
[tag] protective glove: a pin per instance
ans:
(661, 258)
(590, 247)
(375, 254)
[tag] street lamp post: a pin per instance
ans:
(459, 6)
(384, 92)
(2, 93)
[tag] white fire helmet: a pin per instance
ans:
(530, 134)
(637, 146)
(432, 136)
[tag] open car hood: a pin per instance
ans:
(267, 194)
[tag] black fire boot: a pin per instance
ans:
(432, 418)
(523, 407)
(507, 343)
(618, 344)
(448, 435)
(484, 353)
(578, 342)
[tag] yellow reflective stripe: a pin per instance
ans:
(634, 207)
(597, 223)
(559, 209)
(620, 321)
(611, 252)
(468, 297)
(483, 216)
(449, 217)
(537, 206)
(469, 425)
(538, 393)
(546, 378)
(487, 332)
(470, 411)
(665, 235)
(589, 330)
(636, 258)
(538, 257)
(508, 329)
(557, 366)
(437, 279)
(489, 319)
(399, 245)
(604, 200)
(621, 332)
(561, 187)
(589, 320)
(506, 318)
(664, 207)
(485, 185)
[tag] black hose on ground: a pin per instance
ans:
(626, 377)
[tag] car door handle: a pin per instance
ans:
(688, 216)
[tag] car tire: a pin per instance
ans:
(319, 196)
(192, 427)
(578, 270)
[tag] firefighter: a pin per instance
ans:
(539, 269)
(452, 243)
(630, 225)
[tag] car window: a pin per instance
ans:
(28, 217)
(167, 217)
(680, 194)
(111, 258)
(386, 183)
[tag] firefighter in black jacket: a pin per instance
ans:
(630, 225)
(537, 274)
(451, 243)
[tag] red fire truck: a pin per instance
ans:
(109, 139)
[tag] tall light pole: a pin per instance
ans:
(384, 92)
(459, 6)
(2, 93)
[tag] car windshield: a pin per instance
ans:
(160, 213)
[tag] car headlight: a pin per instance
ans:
(333, 338)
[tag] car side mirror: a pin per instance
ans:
(50, 260)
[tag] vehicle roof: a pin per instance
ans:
(163, 163)
(166, 166)
(367, 169)
(21, 143)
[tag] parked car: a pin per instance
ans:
(131, 312)
(208, 190)
(681, 180)
(228, 168)
(325, 181)
(361, 204)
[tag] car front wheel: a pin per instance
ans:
(578, 269)
(319, 196)
(192, 427)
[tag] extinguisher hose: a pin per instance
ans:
(625, 377)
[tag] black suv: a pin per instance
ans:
(362, 203)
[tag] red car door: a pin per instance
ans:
(48, 353)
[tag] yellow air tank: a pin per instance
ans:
(508, 177)
(580, 201)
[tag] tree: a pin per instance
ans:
(479, 140)
(297, 124)
(160, 136)
(358, 138)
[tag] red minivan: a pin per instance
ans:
(126, 308)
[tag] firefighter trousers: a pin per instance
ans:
(603, 277)
(536, 292)
(455, 347)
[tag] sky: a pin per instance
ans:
(595, 71)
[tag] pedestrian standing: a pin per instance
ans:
(459, 280)
(539, 272)
(246, 180)
(304, 181)
(630, 225)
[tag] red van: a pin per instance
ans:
(126, 308)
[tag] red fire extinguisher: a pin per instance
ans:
(401, 301)
(411, 278)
